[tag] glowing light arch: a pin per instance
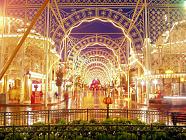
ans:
(104, 14)
(98, 58)
(97, 40)
(102, 59)
(103, 20)
(113, 53)
(97, 63)
(106, 65)
(116, 67)
(109, 72)
(99, 76)
(70, 23)
(97, 70)
(107, 57)
(95, 60)
(101, 40)
(77, 54)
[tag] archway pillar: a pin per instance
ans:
(5, 86)
(147, 71)
(65, 43)
(27, 88)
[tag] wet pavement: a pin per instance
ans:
(90, 101)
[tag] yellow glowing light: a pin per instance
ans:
(92, 44)
(11, 81)
(182, 79)
(96, 73)
(29, 82)
(78, 53)
(174, 97)
(2, 21)
(10, 21)
(169, 72)
(133, 60)
(155, 81)
(157, 76)
(115, 54)
(101, 63)
(98, 67)
(37, 75)
(142, 83)
(29, 36)
(96, 58)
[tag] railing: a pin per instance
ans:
(93, 132)
(53, 116)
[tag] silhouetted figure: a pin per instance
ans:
(56, 95)
(173, 117)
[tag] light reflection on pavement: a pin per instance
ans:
(86, 101)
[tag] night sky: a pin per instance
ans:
(97, 26)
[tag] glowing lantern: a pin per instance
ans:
(107, 100)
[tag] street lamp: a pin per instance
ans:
(107, 101)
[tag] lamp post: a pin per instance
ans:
(107, 101)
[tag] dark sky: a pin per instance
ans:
(97, 26)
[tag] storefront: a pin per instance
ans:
(25, 80)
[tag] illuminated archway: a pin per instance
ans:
(97, 72)
(101, 59)
(100, 40)
(106, 15)
(119, 21)
(94, 63)
(104, 55)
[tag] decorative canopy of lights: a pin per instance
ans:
(14, 28)
(103, 42)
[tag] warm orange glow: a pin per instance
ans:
(107, 100)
